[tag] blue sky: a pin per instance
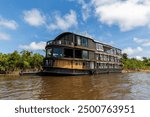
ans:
(28, 24)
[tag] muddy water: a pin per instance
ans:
(104, 86)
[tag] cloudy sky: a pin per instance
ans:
(28, 24)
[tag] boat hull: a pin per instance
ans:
(72, 72)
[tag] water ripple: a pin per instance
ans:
(103, 86)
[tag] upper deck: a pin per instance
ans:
(68, 39)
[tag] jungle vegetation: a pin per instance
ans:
(135, 64)
(20, 61)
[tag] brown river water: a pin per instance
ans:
(120, 86)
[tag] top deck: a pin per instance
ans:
(82, 42)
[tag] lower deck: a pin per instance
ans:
(74, 66)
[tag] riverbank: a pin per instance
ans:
(135, 70)
(17, 73)
(14, 73)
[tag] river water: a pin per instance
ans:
(120, 86)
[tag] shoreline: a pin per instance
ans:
(135, 70)
(16, 73)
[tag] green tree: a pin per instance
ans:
(3, 62)
(25, 60)
(37, 61)
(124, 56)
(13, 61)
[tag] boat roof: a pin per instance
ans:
(64, 33)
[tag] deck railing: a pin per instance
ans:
(60, 42)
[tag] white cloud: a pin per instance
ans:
(4, 36)
(34, 17)
(127, 14)
(86, 8)
(10, 24)
(34, 46)
(139, 58)
(65, 22)
(142, 42)
(132, 51)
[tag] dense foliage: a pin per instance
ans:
(20, 61)
(134, 64)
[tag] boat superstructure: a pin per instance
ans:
(74, 54)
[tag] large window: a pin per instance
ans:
(118, 52)
(85, 54)
(97, 56)
(78, 40)
(68, 53)
(78, 53)
(101, 57)
(57, 52)
(49, 52)
(105, 57)
(84, 42)
(81, 41)
(99, 47)
(114, 51)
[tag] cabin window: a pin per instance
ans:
(97, 56)
(68, 37)
(85, 54)
(99, 47)
(49, 52)
(91, 65)
(84, 64)
(59, 42)
(111, 66)
(113, 51)
(97, 65)
(78, 53)
(101, 57)
(109, 58)
(78, 38)
(57, 52)
(112, 59)
(91, 55)
(100, 65)
(68, 53)
(116, 66)
(81, 41)
(84, 42)
(105, 65)
(118, 52)
(68, 40)
(115, 59)
(109, 51)
(105, 57)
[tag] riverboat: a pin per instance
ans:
(74, 54)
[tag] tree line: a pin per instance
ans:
(20, 61)
(135, 64)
